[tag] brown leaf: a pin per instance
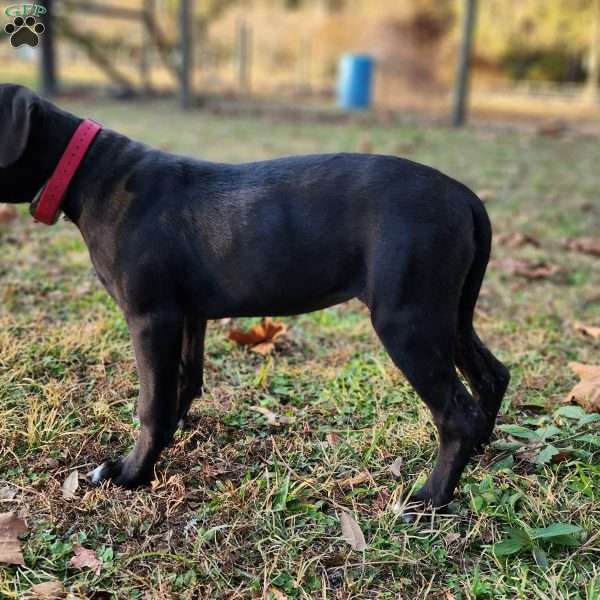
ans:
(263, 348)
(11, 526)
(272, 418)
(276, 593)
(396, 467)
(586, 245)
(51, 463)
(7, 493)
(70, 485)
(7, 213)
(357, 479)
(351, 532)
(561, 456)
(486, 195)
(451, 537)
(85, 558)
(516, 239)
(587, 392)
(50, 590)
(526, 268)
(554, 128)
(366, 146)
(261, 337)
(381, 502)
(593, 332)
(333, 439)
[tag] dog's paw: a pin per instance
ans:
(422, 502)
(119, 473)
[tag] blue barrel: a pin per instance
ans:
(355, 81)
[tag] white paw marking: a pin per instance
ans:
(96, 474)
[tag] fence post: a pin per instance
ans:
(47, 63)
(594, 61)
(244, 40)
(185, 71)
(145, 66)
(461, 88)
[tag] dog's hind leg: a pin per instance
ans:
(414, 296)
(421, 347)
(157, 341)
(488, 378)
(191, 368)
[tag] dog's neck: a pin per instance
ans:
(103, 169)
(57, 130)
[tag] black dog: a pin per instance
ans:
(177, 241)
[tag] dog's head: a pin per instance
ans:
(22, 169)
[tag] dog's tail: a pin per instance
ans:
(482, 237)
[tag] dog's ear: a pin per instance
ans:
(18, 108)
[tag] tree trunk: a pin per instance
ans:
(47, 63)
(461, 88)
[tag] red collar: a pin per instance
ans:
(46, 206)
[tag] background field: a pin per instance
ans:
(242, 509)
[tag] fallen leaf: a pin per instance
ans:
(333, 439)
(85, 558)
(357, 479)
(11, 526)
(261, 338)
(586, 245)
(366, 146)
(70, 485)
(486, 195)
(7, 493)
(277, 594)
(590, 330)
(50, 590)
(587, 392)
(554, 128)
(263, 348)
(272, 418)
(51, 463)
(561, 456)
(451, 537)
(381, 502)
(7, 213)
(516, 240)
(396, 467)
(525, 268)
(351, 532)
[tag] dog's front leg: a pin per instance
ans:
(157, 341)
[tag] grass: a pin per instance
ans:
(240, 509)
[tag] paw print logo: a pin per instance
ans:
(24, 31)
